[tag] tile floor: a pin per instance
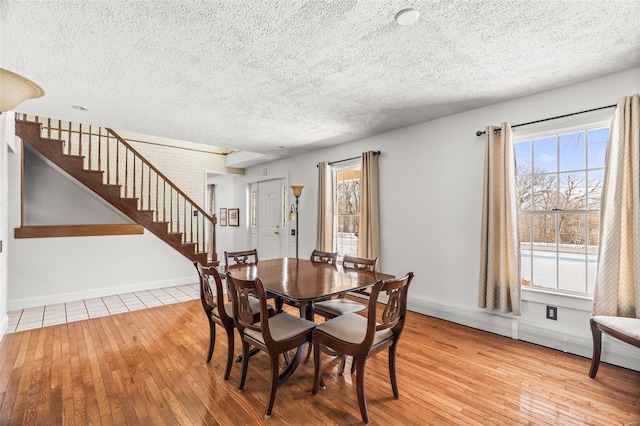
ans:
(42, 316)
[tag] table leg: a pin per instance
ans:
(293, 365)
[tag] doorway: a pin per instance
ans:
(270, 219)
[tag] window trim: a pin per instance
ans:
(582, 123)
(353, 164)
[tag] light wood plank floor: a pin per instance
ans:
(148, 367)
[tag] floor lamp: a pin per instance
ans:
(293, 214)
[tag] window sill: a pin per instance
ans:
(574, 301)
(47, 231)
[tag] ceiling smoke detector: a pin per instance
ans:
(407, 17)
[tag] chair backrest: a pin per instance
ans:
(209, 300)
(395, 310)
(352, 262)
(244, 257)
(324, 257)
(241, 290)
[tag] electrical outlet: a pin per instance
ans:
(552, 313)
(293, 232)
(195, 212)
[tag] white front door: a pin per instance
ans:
(270, 210)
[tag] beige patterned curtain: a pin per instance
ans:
(369, 227)
(617, 291)
(500, 255)
(325, 207)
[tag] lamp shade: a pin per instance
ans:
(297, 190)
(15, 89)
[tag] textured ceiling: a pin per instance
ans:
(282, 77)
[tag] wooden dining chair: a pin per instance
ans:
(274, 335)
(341, 305)
(319, 256)
(224, 317)
(244, 257)
(360, 337)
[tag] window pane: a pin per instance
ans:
(544, 250)
(545, 192)
(524, 231)
(573, 191)
(571, 252)
(347, 235)
(523, 157)
(572, 232)
(594, 189)
(571, 272)
(597, 147)
(348, 192)
(545, 155)
(572, 151)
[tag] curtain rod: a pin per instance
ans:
(349, 159)
(482, 132)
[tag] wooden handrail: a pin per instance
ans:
(159, 173)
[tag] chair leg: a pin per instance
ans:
(230, 343)
(343, 361)
(392, 370)
(245, 365)
(274, 385)
(597, 348)
(317, 365)
(212, 339)
(362, 400)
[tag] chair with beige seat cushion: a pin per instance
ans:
(360, 337)
(224, 317)
(622, 328)
(341, 305)
(274, 335)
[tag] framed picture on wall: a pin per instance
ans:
(223, 217)
(234, 217)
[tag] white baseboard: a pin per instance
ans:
(32, 302)
(613, 351)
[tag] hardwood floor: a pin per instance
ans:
(148, 367)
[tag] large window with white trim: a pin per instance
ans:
(559, 179)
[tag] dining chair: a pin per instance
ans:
(360, 337)
(274, 335)
(223, 317)
(622, 328)
(244, 257)
(319, 256)
(341, 305)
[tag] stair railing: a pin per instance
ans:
(104, 150)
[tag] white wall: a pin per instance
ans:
(47, 194)
(431, 193)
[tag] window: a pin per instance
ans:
(347, 209)
(559, 178)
